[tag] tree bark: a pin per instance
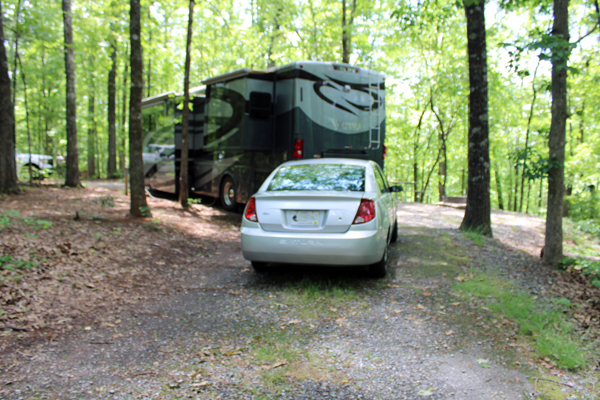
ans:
(91, 138)
(124, 116)
(426, 184)
(498, 187)
(149, 71)
(8, 168)
(477, 214)
(553, 246)
(274, 35)
(347, 31)
(183, 171)
(345, 56)
(26, 117)
(138, 205)
(516, 188)
(72, 174)
(111, 167)
(416, 156)
(17, 35)
(443, 137)
(526, 155)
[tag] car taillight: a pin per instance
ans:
(298, 148)
(384, 152)
(365, 213)
(250, 213)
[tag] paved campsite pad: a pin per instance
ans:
(201, 324)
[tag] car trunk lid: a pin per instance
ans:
(317, 212)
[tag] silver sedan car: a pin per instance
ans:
(338, 212)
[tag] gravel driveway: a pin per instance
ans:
(219, 330)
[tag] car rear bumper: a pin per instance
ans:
(360, 247)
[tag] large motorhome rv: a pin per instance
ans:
(245, 123)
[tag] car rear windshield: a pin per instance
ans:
(319, 177)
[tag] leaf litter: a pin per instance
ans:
(67, 257)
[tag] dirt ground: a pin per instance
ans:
(103, 306)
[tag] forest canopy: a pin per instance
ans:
(419, 45)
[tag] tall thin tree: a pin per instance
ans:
(138, 206)
(347, 31)
(183, 171)
(8, 168)
(72, 174)
(91, 137)
(124, 109)
(17, 36)
(111, 167)
(553, 245)
(477, 214)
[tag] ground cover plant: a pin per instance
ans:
(548, 326)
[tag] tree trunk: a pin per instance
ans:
(345, 55)
(581, 123)
(8, 168)
(17, 36)
(498, 187)
(477, 214)
(72, 173)
(516, 188)
(149, 70)
(91, 138)
(416, 156)
(347, 31)
(426, 184)
(124, 117)
(553, 246)
(541, 193)
(443, 137)
(510, 181)
(415, 179)
(138, 204)
(111, 166)
(26, 117)
(274, 34)
(183, 171)
(534, 97)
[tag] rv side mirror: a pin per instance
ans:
(396, 189)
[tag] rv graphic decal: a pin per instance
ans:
(224, 117)
(376, 101)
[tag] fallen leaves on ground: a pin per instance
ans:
(57, 272)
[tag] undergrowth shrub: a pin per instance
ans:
(590, 269)
(585, 205)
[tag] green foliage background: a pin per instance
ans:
(420, 46)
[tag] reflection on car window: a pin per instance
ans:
(319, 177)
(381, 182)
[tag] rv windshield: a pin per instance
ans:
(320, 177)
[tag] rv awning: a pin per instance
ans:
(150, 101)
(157, 99)
(228, 76)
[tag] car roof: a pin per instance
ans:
(348, 161)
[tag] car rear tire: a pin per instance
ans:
(394, 237)
(379, 269)
(259, 267)
(228, 194)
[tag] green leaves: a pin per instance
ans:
(553, 48)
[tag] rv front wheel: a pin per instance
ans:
(228, 194)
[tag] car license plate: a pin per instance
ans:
(305, 218)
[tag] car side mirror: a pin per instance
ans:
(396, 189)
